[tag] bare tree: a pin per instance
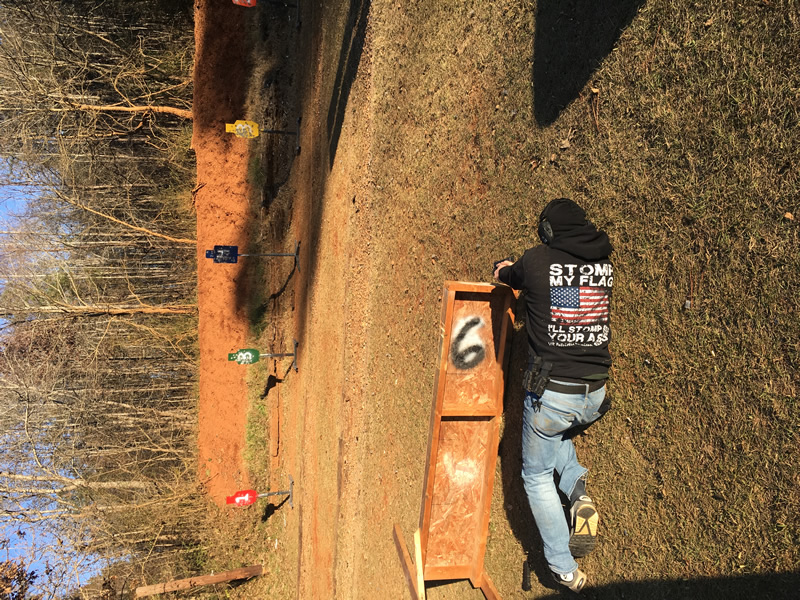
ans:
(97, 284)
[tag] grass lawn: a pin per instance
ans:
(675, 124)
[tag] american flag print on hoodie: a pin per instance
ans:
(579, 305)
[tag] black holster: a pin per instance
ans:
(537, 376)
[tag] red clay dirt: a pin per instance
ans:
(223, 214)
(324, 296)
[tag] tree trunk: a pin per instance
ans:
(94, 311)
(169, 110)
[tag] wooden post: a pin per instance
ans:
(192, 582)
(406, 563)
(420, 567)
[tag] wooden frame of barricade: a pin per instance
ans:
(477, 321)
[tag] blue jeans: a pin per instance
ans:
(545, 450)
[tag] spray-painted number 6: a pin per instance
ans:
(467, 348)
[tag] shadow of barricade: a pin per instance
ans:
(518, 512)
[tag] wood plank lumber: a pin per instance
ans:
(405, 560)
(200, 580)
(419, 566)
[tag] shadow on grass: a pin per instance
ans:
(769, 586)
(353, 37)
(260, 308)
(282, 289)
(572, 38)
(272, 508)
(349, 59)
(272, 381)
(515, 501)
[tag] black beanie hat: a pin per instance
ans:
(563, 214)
(571, 232)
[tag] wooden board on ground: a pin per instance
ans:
(199, 580)
(464, 432)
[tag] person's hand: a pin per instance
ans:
(500, 265)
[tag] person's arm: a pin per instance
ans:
(510, 273)
(500, 266)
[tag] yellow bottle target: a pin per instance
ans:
(242, 129)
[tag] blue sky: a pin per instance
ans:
(13, 202)
(12, 197)
(23, 538)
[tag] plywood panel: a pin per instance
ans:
(472, 373)
(456, 510)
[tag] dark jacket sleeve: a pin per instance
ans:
(514, 275)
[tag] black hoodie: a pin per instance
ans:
(567, 285)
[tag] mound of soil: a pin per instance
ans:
(223, 213)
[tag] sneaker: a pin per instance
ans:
(573, 581)
(583, 522)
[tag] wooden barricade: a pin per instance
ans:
(463, 438)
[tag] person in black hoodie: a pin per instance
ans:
(567, 285)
